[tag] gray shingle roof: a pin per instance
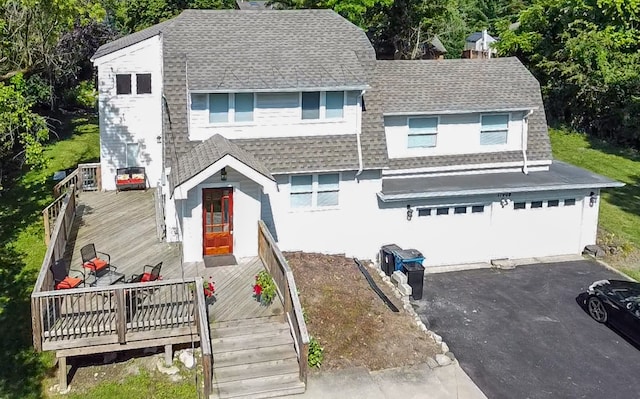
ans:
(131, 39)
(456, 85)
(255, 50)
(207, 153)
(462, 86)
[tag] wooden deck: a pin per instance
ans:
(234, 292)
(124, 226)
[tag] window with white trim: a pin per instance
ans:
(315, 191)
(227, 107)
(494, 129)
(423, 132)
(322, 105)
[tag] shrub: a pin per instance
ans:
(267, 287)
(316, 353)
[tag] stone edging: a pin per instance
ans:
(401, 292)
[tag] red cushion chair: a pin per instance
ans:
(91, 261)
(61, 278)
(149, 273)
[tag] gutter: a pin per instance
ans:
(525, 130)
(358, 131)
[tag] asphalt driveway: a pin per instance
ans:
(522, 334)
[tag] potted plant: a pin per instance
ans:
(209, 288)
(264, 289)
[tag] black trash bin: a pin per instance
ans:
(388, 258)
(415, 278)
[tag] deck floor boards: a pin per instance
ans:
(124, 226)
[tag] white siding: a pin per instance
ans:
(130, 118)
(457, 134)
(275, 115)
(361, 224)
(246, 213)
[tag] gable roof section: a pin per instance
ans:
(131, 39)
(263, 50)
(206, 154)
(463, 86)
(456, 85)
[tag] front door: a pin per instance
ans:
(217, 221)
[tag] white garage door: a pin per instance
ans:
(538, 228)
(453, 234)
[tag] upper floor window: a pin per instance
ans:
(422, 132)
(124, 83)
(323, 105)
(225, 107)
(494, 129)
(315, 191)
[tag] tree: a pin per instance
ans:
(586, 54)
(22, 131)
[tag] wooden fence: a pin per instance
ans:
(86, 177)
(277, 266)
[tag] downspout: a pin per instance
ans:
(358, 129)
(525, 130)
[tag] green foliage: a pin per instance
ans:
(316, 353)
(83, 95)
(22, 131)
(586, 55)
(264, 280)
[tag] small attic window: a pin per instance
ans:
(123, 84)
(143, 83)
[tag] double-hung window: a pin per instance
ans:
(224, 107)
(494, 129)
(322, 105)
(218, 108)
(315, 191)
(311, 105)
(423, 132)
(334, 104)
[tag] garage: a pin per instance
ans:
(471, 218)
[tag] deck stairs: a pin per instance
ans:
(254, 358)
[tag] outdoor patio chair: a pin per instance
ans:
(61, 278)
(91, 261)
(149, 273)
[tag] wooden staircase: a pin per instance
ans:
(254, 358)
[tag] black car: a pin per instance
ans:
(617, 303)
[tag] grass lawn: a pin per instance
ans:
(620, 208)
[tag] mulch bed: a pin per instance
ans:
(350, 321)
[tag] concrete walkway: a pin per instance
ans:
(448, 382)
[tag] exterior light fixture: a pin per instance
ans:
(592, 199)
(223, 174)
(409, 212)
(504, 202)
(159, 139)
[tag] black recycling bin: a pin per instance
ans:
(407, 256)
(415, 276)
(388, 258)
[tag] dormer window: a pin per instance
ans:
(322, 105)
(494, 129)
(226, 107)
(311, 105)
(423, 132)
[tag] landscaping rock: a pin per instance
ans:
(443, 360)
(171, 370)
(505, 264)
(405, 289)
(593, 250)
(450, 355)
(436, 338)
(431, 362)
(186, 358)
(445, 347)
(398, 277)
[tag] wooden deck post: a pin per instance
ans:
(121, 316)
(168, 355)
(62, 374)
(47, 228)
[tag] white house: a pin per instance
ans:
(287, 117)
(480, 43)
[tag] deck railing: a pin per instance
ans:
(86, 177)
(202, 322)
(113, 316)
(277, 266)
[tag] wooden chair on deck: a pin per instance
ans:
(61, 278)
(91, 261)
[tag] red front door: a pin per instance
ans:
(217, 221)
